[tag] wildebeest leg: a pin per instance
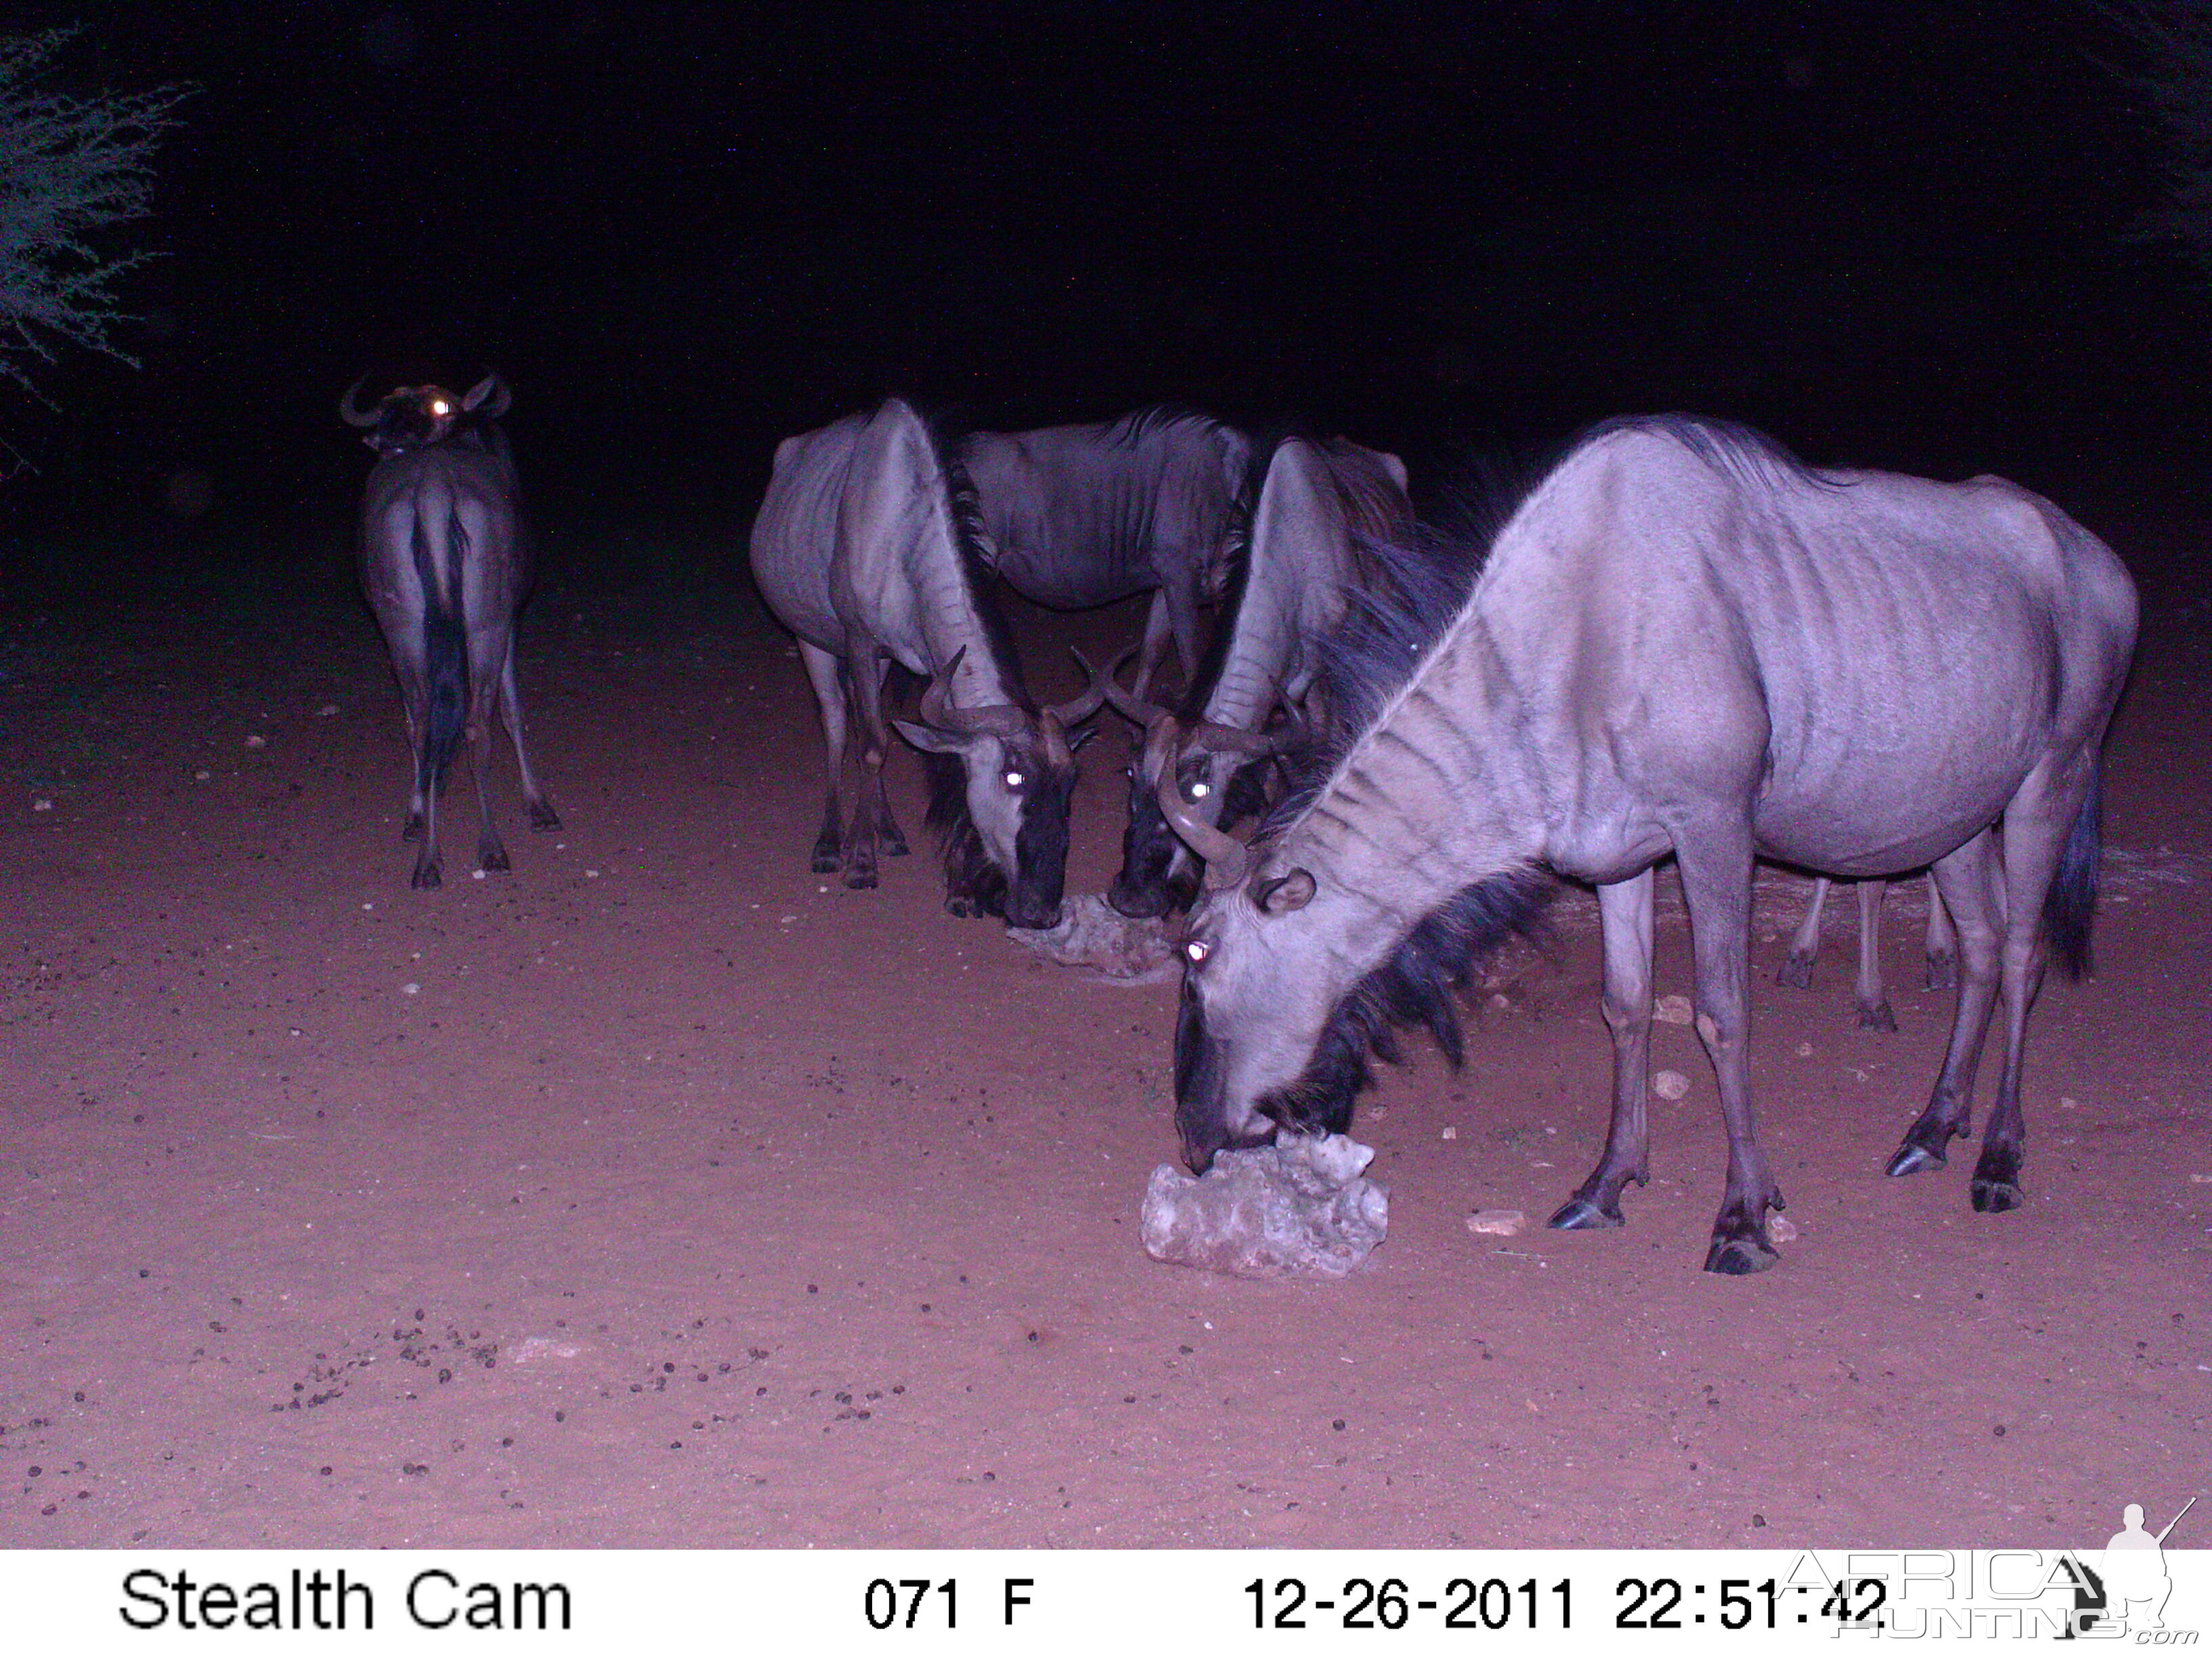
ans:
(1625, 909)
(421, 826)
(536, 804)
(1805, 943)
(2036, 826)
(1965, 879)
(1873, 1001)
(489, 650)
(1182, 599)
(1156, 635)
(871, 811)
(822, 670)
(1942, 942)
(1716, 861)
(894, 843)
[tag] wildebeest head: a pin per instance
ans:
(1217, 778)
(414, 417)
(1018, 772)
(1291, 980)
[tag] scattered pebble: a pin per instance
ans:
(1781, 1229)
(592, 873)
(201, 776)
(327, 710)
(1671, 1011)
(1450, 1134)
(410, 988)
(257, 741)
(2202, 1180)
(476, 875)
(1804, 1051)
(535, 1350)
(42, 805)
(1670, 1085)
(1504, 1222)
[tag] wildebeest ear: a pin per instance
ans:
(490, 391)
(936, 742)
(1284, 894)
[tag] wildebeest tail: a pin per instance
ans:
(445, 653)
(2071, 903)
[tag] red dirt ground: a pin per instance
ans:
(663, 1194)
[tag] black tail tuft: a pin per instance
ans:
(445, 666)
(2071, 904)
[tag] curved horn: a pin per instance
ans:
(1226, 857)
(936, 708)
(1076, 710)
(1133, 710)
(1002, 719)
(349, 412)
(1236, 740)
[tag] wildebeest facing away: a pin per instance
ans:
(1872, 1000)
(865, 548)
(1074, 517)
(1684, 641)
(446, 568)
(1319, 510)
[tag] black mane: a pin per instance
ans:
(1416, 986)
(969, 871)
(1133, 427)
(1741, 452)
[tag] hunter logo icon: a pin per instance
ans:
(2136, 1583)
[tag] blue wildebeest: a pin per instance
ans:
(865, 548)
(1684, 641)
(1318, 506)
(1075, 517)
(1872, 1000)
(446, 568)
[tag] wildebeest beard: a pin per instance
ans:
(1418, 984)
(971, 876)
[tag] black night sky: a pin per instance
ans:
(1896, 236)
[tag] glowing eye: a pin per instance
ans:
(1013, 780)
(1201, 791)
(1197, 949)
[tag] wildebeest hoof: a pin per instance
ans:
(1738, 1257)
(1578, 1212)
(493, 857)
(1994, 1197)
(412, 829)
(1912, 1158)
(541, 815)
(958, 907)
(895, 845)
(859, 878)
(1877, 1019)
(1796, 972)
(427, 876)
(827, 863)
(1943, 973)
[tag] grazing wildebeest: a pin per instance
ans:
(1684, 641)
(1075, 517)
(446, 566)
(865, 548)
(1318, 506)
(1873, 1001)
